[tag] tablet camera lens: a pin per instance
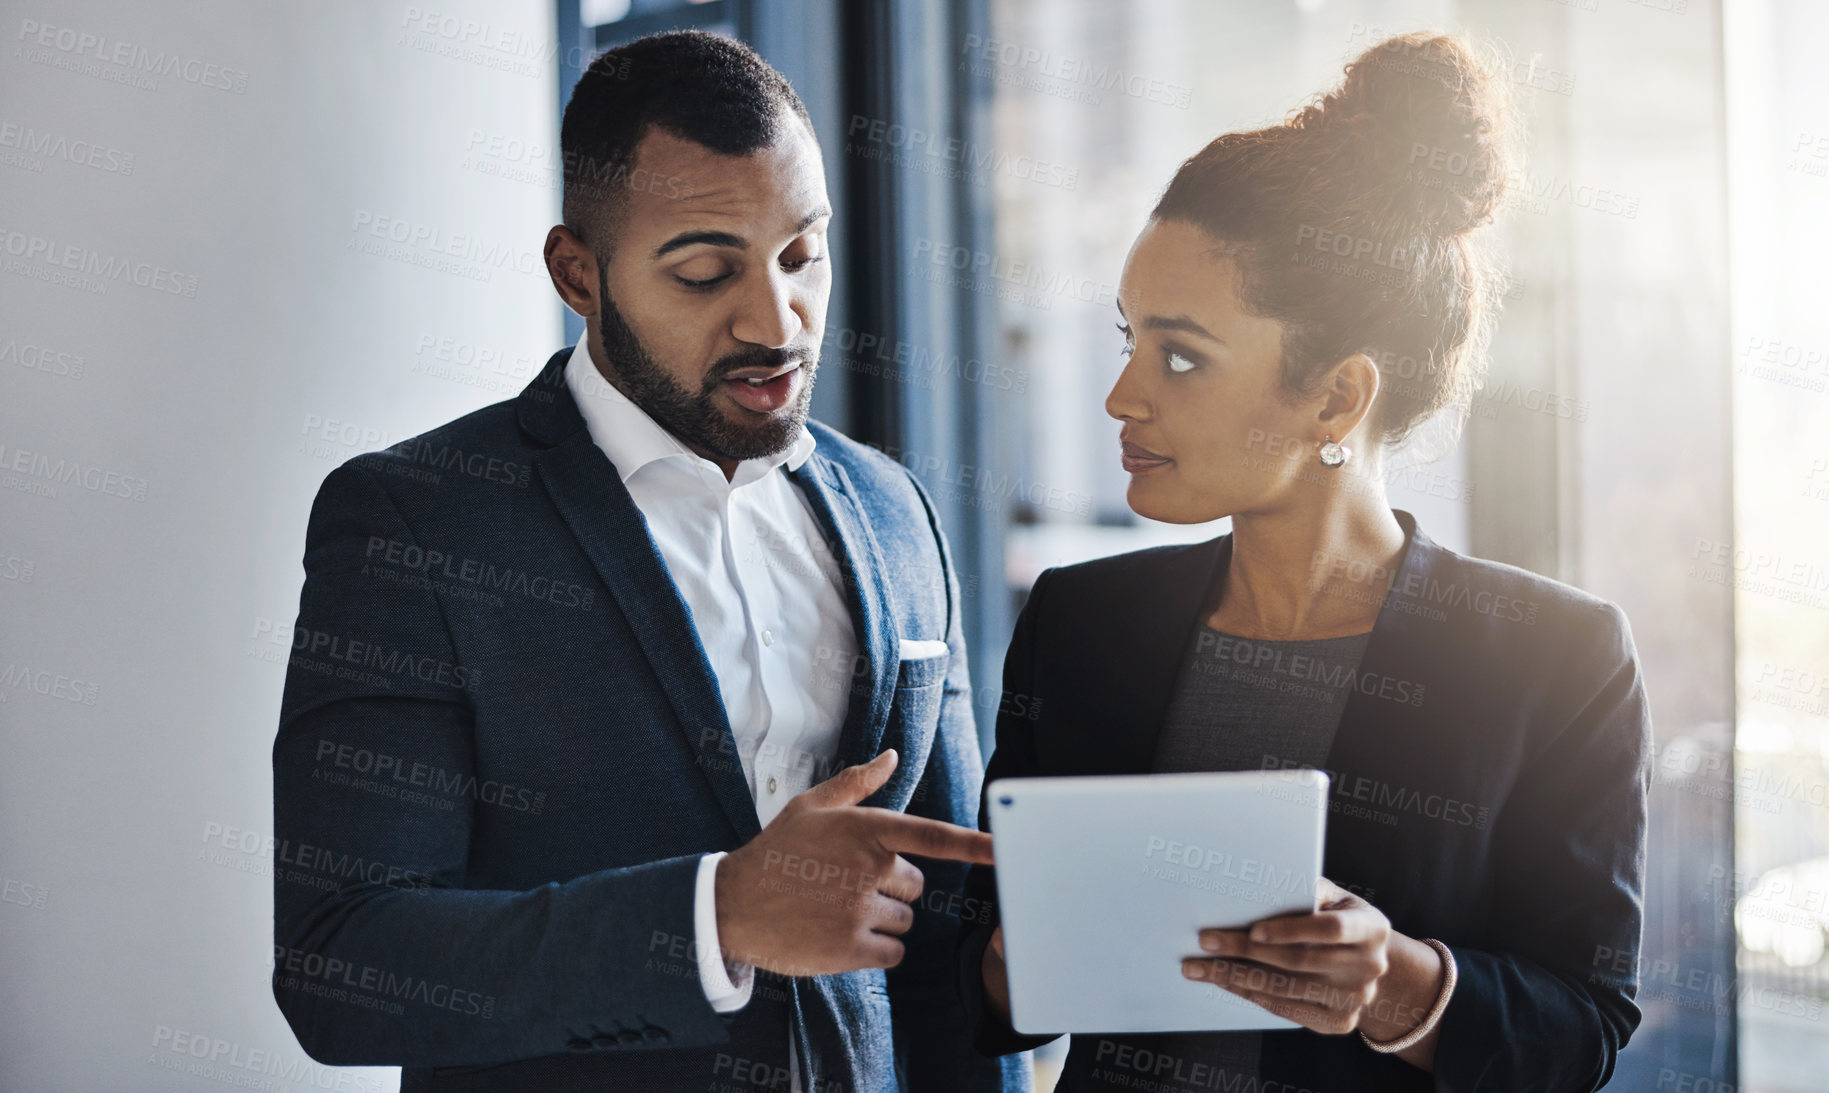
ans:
(1006, 801)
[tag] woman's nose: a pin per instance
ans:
(1126, 402)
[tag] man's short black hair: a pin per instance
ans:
(703, 87)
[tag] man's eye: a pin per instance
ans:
(1179, 363)
(705, 283)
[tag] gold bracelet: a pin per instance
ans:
(1410, 1039)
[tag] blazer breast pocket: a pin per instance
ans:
(922, 663)
(919, 686)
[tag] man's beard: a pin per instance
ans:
(695, 418)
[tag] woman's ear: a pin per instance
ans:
(1347, 396)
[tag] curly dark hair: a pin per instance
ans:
(1354, 223)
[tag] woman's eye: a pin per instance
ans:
(1179, 363)
(799, 264)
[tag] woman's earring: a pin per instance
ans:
(1334, 455)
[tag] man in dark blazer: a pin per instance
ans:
(613, 708)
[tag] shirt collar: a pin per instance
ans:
(633, 440)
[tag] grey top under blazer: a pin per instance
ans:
(1489, 777)
(502, 751)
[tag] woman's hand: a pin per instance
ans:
(1335, 971)
(996, 976)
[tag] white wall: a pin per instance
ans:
(139, 689)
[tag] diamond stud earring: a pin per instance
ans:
(1334, 455)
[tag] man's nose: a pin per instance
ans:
(767, 316)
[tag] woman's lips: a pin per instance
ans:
(767, 397)
(1138, 459)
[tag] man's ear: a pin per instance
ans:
(573, 267)
(1347, 396)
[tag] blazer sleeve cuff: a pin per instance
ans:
(991, 1035)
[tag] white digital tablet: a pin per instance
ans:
(1104, 883)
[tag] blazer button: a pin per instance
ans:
(578, 1043)
(604, 1040)
(654, 1035)
(629, 1038)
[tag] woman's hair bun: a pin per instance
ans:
(1419, 132)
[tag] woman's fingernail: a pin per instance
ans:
(1192, 971)
(1210, 942)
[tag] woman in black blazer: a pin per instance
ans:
(1302, 298)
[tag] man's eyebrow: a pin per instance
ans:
(1181, 323)
(727, 239)
(813, 218)
(686, 239)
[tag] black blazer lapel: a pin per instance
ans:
(1387, 722)
(596, 506)
(1129, 671)
(829, 492)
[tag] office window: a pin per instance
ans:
(1779, 887)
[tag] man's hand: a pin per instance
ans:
(824, 888)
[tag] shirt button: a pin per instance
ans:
(771, 783)
(768, 637)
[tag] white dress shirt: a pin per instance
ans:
(767, 599)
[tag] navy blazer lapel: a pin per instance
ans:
(596, 506)
(829, 491)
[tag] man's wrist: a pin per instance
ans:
(727, 984)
